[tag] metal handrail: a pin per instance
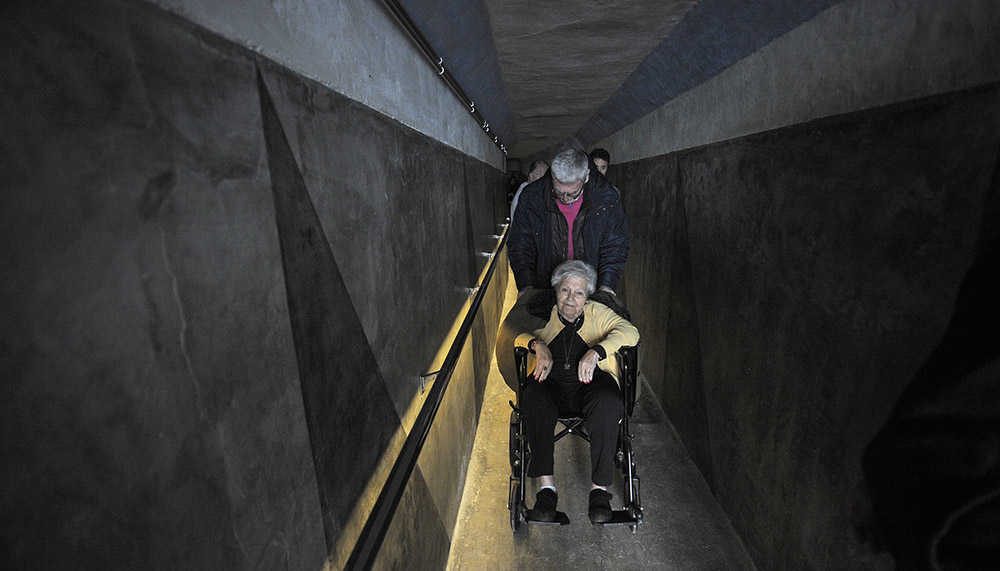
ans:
(403, 19)
(366, 548)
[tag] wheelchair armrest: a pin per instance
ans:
(628, 373)
(521, 362)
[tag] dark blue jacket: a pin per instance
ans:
(537, 242)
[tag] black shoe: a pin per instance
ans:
(600, 506)
(545, 505)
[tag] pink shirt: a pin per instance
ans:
(569, 211)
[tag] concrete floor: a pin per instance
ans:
(684, 527)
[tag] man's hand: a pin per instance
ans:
(521, 293)
(543, 361)
(587, 365)
(609, 290)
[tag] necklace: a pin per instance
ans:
(568, 333)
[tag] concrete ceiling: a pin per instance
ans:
(543, 73)
(561, 60)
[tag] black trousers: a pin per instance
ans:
(599, 402)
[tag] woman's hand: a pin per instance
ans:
(543, 360)
(587, 365)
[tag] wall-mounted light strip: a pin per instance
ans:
(438, 63)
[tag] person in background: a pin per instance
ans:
(538, 170)
(601, 158)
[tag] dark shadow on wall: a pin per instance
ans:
(391, 203)
(682, 372)
(933, 471)
(651, 220)
(350, 416)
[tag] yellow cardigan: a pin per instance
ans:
(601, 326)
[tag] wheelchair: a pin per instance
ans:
(520, 452)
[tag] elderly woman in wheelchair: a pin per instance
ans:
(575, 379)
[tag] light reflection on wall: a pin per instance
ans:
(464, 373)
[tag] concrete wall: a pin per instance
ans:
(790, 283)
(221, 282)
(858, 54)
(353, 47)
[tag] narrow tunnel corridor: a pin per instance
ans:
(257, 255)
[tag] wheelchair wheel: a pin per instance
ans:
(515, 443)
(518, 459)
(636, 498)
(620, 452)
(514, 503)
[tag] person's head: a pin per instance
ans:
(574, 281)
(601, 158)
(570, 171)
(538, 170)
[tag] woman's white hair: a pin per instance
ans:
(570, 165)
(575, 269)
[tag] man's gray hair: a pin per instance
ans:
(570, 165)
(575, 269)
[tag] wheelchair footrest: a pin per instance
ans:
(561, 519)
(620, 517)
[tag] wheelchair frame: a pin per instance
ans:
(520, 453)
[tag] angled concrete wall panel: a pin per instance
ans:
(824, 263)
(185, 302)
(154, 419)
